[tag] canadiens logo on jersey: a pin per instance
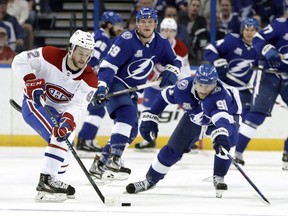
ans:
(140, 69)
(57, 94)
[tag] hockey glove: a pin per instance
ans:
(34, 87)
(221, 66)
(100, 94)
(220, 137)
(169, 76)
(149, 126)
(272, 56)
(65, 128)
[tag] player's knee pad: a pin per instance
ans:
(168, 156)
(254, 119)
(126, 114)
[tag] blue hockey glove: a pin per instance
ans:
(34, 88)
(169, 76)
(220, 137)
(65, 128)
(100, 94)
(272, 56)
(149, 126)
(221, 66)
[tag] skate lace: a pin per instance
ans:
(57, 183)
(218, 180)
(141, 185)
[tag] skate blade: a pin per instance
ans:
(285, 166)
(43, 196)
(219, 193)
(114, 176)
(86, 154)
(101, 182)
(146, 150)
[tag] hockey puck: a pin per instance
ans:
(126, 204)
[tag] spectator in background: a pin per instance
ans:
(229, 21)
(131, 23)
(142, 3)
(6, 53)
(220, 33)
(16, 32)
(20, 9)
(171, 12)
(197, 30)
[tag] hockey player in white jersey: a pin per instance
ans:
(67, 84)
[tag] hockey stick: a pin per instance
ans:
(244, 174)
(135, 88)
(17, 107)
(112, 201)
(270, 71)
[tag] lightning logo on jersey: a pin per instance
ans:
(140, 69)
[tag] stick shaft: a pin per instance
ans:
(74, 153)
(244, 174)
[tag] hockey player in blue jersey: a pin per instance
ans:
(210, 109)
(112, 25)
(234, 58)
(128, 63)
(271, 44)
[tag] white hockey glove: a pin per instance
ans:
(221, 66)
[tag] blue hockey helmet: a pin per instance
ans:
(206, 74)
(250, 22)
(147, 13)
(112, 17)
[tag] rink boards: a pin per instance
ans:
(15, 132)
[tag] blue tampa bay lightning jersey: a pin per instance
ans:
(277, 35)
(240, 57)
(216, 109)
(130, 61)
(102, 45)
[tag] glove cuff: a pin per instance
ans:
(220, 62)
(173, 69)
(267, 48)
(70, 120)
(102, 84)
(30, 76)
(147, 116)
(219, 131)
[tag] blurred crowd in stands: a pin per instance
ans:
(18, 20)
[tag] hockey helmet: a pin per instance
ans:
(206, 74)
(82, 39)
(147, 13)
(168, 23)
(112, 17)
(250, 22)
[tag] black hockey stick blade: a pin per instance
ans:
(245, 175)
(15, 105)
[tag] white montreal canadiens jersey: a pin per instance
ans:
(66, 92)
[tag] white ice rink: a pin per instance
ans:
(184, 191)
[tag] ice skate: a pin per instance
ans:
(115, 170)
(139, 186)
(219, 185)
(145, 146)
(238, 157)
(194, 149)
(87, 148)
(285, 160)
(52, 190)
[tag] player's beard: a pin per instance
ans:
(143, 36)
(112, 32)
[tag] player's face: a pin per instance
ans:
(248, 34)
(80, 57)
(203, 90)
(146, 28)
(169, 33)
(116, 29)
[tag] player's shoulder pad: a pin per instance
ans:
(127, 35)
(234, 35)
(283, 19)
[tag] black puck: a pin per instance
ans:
(126, 204)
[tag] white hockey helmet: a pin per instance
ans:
(168, 23)
(82, 39)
